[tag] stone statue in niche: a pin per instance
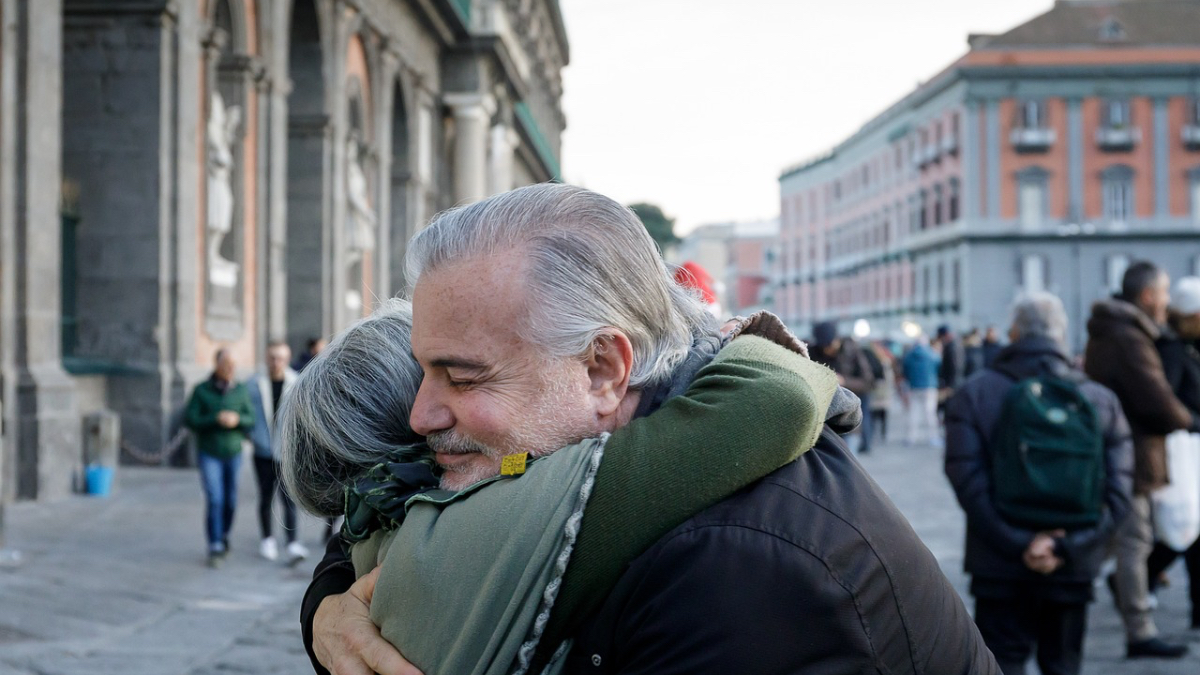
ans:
(221, 134)
(360, 217)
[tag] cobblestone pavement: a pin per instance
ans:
(118, 584)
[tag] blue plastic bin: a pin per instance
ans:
(99, 480)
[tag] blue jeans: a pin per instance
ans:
(219, 479)
(865, 429)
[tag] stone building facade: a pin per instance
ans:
(1047, 158)
(181, 175)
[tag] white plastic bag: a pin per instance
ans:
(1177, 506)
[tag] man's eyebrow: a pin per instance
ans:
(451, 362)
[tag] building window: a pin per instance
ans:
(1116, 113)
(1114, 272)
(1033, 114)
(1194, 192)
(1031, 197)
(1111, 29)
(952, 207)
(923, 210)
(1033, 273)
(937, 205)
(1117, 182)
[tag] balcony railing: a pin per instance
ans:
(1032, 139)
(1118, 138)
(1191, 135)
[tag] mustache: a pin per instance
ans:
(453, 443)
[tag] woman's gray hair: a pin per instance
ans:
(593, 267)
(349, 408)
(1040, 314)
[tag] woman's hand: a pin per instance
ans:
(347, 642)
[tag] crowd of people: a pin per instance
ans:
(556, 459)
(1110, 415)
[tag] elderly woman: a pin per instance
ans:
(472, 579)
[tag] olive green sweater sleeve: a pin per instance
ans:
(753, 409)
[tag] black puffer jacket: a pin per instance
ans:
(810, 570)
(1181, 364)
(995, 547)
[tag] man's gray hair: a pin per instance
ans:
(1040, 314)
(592, 266)
(349, 408)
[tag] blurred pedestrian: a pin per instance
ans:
(1032, 573)
(950, 371)
(921, 373)
(312, 348)
(1121, 355)
(846, 358)
(266, 392)
(219, 415)
(991, 346)
(1178, 348)
(692, 275)
(972, 353)
(884, 391)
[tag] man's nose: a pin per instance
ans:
(429, 413)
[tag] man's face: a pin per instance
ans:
(278, 358)
(1156, 298)
(226, 367)
(487, 392)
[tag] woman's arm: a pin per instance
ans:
(756, 407)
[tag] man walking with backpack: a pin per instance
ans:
(1121, 355)
(1041, 461)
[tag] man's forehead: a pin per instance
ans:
(469, 306)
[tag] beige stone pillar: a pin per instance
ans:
(472, 114)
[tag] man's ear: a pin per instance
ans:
(609, 365)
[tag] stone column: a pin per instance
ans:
(504, 142)
(472, 113)
(47, 422)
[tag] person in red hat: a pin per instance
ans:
(692, 275)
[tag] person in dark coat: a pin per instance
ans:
(991, 346)
(846, 358)
(972, 353)
(1031, 588)
(954, 360)
(1179, 348)
(1121, 355)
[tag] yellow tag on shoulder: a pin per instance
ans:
(513, 465)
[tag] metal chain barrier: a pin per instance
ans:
(167, 451)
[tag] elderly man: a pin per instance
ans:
(220, 416)
(543, 316)
(1032, 582)
(1122, 356)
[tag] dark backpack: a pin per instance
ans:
(1047, 456)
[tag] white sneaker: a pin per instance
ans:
(297, 551)
(269, 549)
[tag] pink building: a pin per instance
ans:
(1046, 158)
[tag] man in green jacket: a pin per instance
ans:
(220, 416)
